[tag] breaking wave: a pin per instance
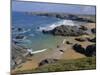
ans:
(22, 32)
(62, 22)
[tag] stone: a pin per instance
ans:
(19, 37)
(83, 28)
(61, 50)
(78, 48)
(92, 40)
(67, 42)
(80, 39)
(65, 31)
(93, 30)
(20, 29)
(47, 61)
(91, 50)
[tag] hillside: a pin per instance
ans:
(65, 65)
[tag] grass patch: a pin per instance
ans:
(87, 63)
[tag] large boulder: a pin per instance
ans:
(83, 27)
(20, 29)
(66, 30)
(91, 50)
(47, 61)
(20, 37)
(80, 39)
(18, 55)
(92, 40)
(79, 48)
(93, 30)
(67, 42)
(46, 32)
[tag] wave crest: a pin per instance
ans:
(59, 23)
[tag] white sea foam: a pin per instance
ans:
(38, 51)
(62, 22)
(22, 32)
(22, 40)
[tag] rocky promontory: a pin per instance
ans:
(18, 55)
(65, 30)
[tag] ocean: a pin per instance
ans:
(31, 28)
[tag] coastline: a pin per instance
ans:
(67, 54)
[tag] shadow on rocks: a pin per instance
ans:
(89, 51)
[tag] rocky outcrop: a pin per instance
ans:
(80, 39)
(18, 55)
(65, 30)
(92, 40)
(83, 18)
(67, 42)
(20, 29)
(47, 61)
(93, 30)
(20, 37)
(79, 48)
(61, 51)
(83, 28)
(91, 50)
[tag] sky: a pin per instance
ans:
(20, 6)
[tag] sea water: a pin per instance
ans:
(32, 26)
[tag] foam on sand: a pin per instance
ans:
(38, 51)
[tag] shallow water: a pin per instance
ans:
(31, 30)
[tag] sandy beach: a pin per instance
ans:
(67, 52)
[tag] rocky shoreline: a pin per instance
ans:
(18, 55)
(66, 30)
(80, 42)
(83, 18)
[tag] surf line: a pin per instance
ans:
(33, 52)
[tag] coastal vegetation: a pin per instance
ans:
(87, 63)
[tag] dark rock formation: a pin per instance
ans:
(91, 50)
(61, 50)
(18, 55)
(83, 27)
(67, 42)
(83, 18)
(46, 32)
(66, 31)
(47, 61)
(20, 29)
(92, 40)
(80, 39)
(79, 48)
(19, 37)
(93, 30)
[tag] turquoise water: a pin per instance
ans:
(34, 38)
(31, 26)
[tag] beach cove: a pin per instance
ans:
(63, 52)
